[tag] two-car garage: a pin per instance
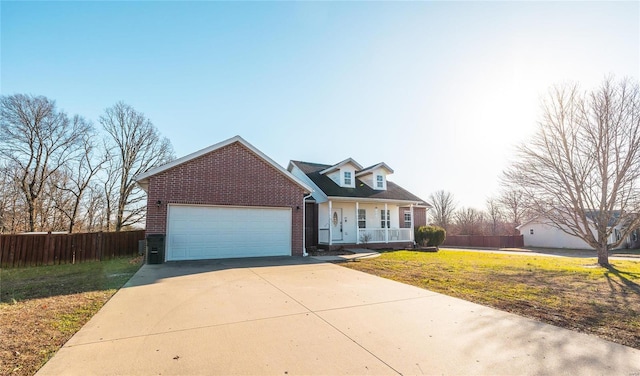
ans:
(197, 232)
(228, 200)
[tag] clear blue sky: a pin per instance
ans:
(440, 91)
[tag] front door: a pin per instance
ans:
(336, 224)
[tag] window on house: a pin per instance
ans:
(407, 219)
(347, 178)
(379, 181)
(362, 218)
(385, 219)
(530, 231)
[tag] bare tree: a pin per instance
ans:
(581, 170)
(136, 146)
(495, 216)
(443, 208)
(55, 202)
(514, 207)
(109, 186)
(79, 174)
(37, 139)
(10, 202)
(469, 221)
(96, 216)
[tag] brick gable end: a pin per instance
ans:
(232, 175)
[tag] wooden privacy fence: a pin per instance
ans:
(18, 250)
(482, 241)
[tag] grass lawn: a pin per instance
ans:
(42, 307)
(573, 293)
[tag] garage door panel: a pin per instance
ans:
(206, 232)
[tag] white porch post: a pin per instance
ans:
(357, 223)
(330, 232)
(386, 220)
(412, 224)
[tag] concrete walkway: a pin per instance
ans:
(357, 254)
(287, 316)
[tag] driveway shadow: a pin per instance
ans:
(150, 273)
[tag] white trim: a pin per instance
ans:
(340, 164)
(351, 183)
(171, 213)
(387, 222)
(369, 170)
(318, 194)
(413, 224)
(143, 179)
(358, 222)
(330, 231)
(304, 225)
(365, 199)
(230, 206)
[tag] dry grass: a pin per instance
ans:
(43, 307)
(572, 293)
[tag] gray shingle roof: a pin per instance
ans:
(331, 189)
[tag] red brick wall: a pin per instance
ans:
(419, 217)
(231, 175)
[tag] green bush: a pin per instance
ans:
(429, 236)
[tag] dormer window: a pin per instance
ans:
(347, 178)
(379, 181)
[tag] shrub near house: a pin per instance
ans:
(430, 236)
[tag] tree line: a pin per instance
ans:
(60, 172)
(500, 216)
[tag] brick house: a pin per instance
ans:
(227, 200)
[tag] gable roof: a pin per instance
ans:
(340, 164)
(315, 173)
(370, 169)
(143, 179)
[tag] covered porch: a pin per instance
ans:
(365, 222)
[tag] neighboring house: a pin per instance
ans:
(355, 206)
(539, 232)
(227, 200)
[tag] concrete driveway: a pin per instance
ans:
(287, 316)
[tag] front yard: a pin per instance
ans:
(569, 292)
(42, 307)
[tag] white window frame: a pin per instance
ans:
(407, 222)
(362, 218)
(347, 180)
(379, 182)
(384, 220)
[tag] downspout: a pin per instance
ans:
(304, 225)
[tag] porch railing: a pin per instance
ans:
(323, 236)
(377, 235)
(373, 235)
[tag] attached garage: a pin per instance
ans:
(225, 201)
(213, 232)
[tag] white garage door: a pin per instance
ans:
(209, 232)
